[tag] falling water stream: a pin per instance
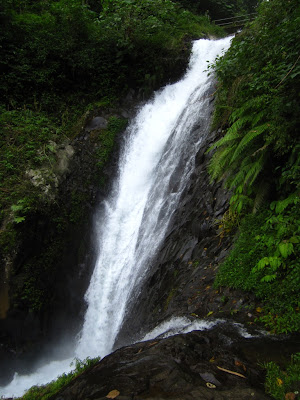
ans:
(155, 164)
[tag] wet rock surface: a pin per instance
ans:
(180, 281)
(208, 365)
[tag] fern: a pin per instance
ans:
(262, 190)
(240, 123)
(227, 138)
(258, 117)
(219, 161)
(238, 177)
(255, 170)
(247, 139)
(281, 205)
(232, 133)
(249, 107)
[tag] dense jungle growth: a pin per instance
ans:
(60, 61)
(258, 156)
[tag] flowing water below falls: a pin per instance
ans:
(155, 164)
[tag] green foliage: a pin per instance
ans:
(20, 210)
(58, 52)
(149, 34)
(107, 139)
(44, 392)
(258, 158)
(24, 144)
(220, 8)
(265, 260)
(258, 107)
(228, 223)
(280, 381)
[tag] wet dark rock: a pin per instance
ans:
(210, 378)
(181, 276)
(181, 367)
(96, 123)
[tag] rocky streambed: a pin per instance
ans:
(217, 364)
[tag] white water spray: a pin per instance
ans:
(138, 214)
(155, 165)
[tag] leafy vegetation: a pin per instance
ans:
(217, 9)
(280, 382)
(258, 157)
(265, 260)
(44, 392)
(24, 140)
(106, 138)
(63, 52)
(60, 59)
(258, 107)
(57, 57)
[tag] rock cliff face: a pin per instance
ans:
(180, 281)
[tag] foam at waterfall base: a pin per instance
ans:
(43, 375)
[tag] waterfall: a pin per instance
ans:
(155, 164)
(160, 142)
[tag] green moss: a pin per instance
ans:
(106, 139)
(170, 297)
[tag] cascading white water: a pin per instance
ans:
(138, 213)
(160, 145)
